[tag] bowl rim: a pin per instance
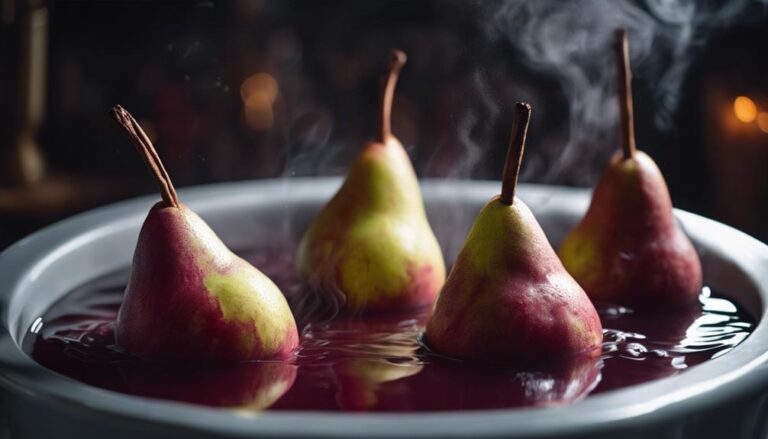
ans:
(741, 370)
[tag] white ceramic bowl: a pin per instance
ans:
(724, 397)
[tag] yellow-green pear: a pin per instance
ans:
(371, 247)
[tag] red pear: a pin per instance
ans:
(629, 249)
(189, 298)
(507, 296)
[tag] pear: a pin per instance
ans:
(371, 247)
(507, 296)
(628, 249)
(189, 298)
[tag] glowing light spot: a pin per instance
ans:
(258, 113)
(259, 93)
(745, 109)
(261, 83)
(36, 325)
(762, 122)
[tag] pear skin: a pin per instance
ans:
(628, 249)
(508, 297)
(189, 298)
(371, 247)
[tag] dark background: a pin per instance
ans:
(179, 67)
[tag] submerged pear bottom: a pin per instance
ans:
(377, 362)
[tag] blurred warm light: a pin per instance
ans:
(261, 83)
(257, 111)
(762, 122)
(745, 109)
(259, 93)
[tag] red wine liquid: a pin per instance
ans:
(377, 363)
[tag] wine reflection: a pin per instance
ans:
(87, 352)
(359, 381)
(247, 386)
(370, 356)
(501, 385)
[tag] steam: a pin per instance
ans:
(570, 41)
(467, 138)
(475, 125)
(573, 41)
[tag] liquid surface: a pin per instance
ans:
(377, 363)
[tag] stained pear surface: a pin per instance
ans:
(371, 247)
(628, 248)
(189, 298)
(508, 297)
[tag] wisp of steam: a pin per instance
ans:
(572, 41)
(568, 41)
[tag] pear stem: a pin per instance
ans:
(515, 152)
(388, 92)
(148, 152)
(625, 95)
